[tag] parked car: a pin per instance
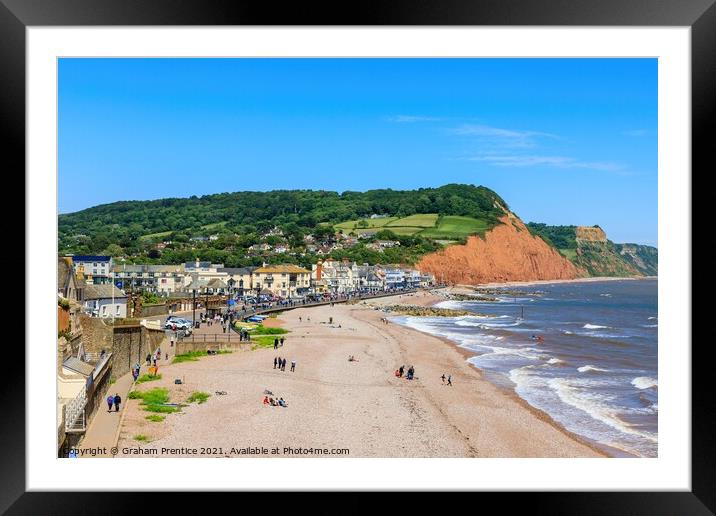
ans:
(181, 324)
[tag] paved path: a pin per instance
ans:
(102, 432)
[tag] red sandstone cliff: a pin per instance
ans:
(508, 252)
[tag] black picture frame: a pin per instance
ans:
(699, 15)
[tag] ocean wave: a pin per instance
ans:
(644, 382)
(498, 351)
(589, 403)
(605, 295)
(649, 325)
(595, 327)
(556, 361)
(652, 318)
(567, 332)
(587, 368)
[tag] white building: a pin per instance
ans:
(105, 301)
(339, 277)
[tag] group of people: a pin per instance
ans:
(449, 379)
(384, 320)
(352, 358)
(113, 401)
(275, 403)
(401, 370)
(277, 342)
(280, 363)
(153, 358)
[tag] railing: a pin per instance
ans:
(243, 314)
(212, 337)
(75, 413)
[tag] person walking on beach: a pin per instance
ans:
(275, 360)
(300, 319)
(450, 380)
(283, 366)
(293, 365)
(443, 377)
(275, 343)
(110, 402)
(117, 401)
(282, 339)
(401, 370)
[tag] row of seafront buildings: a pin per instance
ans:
(285, 281)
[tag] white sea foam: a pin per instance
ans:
(587, 368)
(555, 361)
(594, 327)
(649, 325)
(644, 382)
(652, 318)
(591, 404)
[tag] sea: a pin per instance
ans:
(585, 353)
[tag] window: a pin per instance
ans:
(104, 309)
(118, 310)
(94, 265)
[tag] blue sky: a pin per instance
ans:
(563, 141)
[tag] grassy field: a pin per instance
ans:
(403, 230)
(420, 220)
(371, 223)
(454, 227)
(215, 225)
(155, 235)
(449, 228)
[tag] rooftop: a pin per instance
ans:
(103, 292)
(281, 269)
(91, 258)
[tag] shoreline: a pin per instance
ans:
(540, 414)
(334, 403)
(594, 279)
(510, 393)
(606, 450)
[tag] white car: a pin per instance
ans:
(181, 324)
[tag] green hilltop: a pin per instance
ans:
(419, 219)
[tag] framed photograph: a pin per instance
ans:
(444, 247)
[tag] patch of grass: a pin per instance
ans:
(193, 356)
(198, 396)
(141, 438)
(263, 330)
(262, 341)
(155, 235)
(148, 378)
(154, 400)
(570, 254)
(154, 418)
(361, 224)
(404, 230)
(452, 227)
(419, 220)
(112, 380)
